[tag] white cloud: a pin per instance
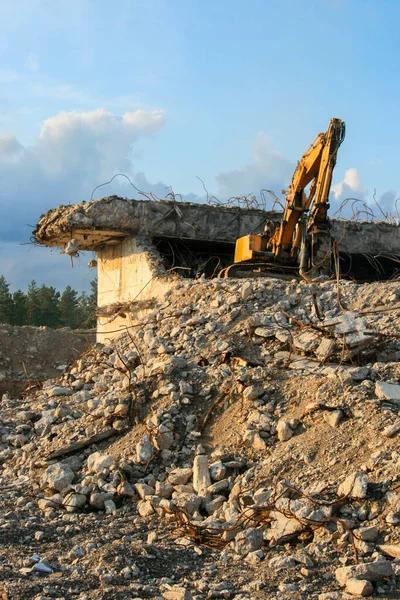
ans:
(350, 184)
(266, 169)
(73, 153)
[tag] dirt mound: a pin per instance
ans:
(240, 441)
(33, 354)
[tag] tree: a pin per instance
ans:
(5, 301)
(19, 308)
(69, 313)
(49, 300)
(33, 304)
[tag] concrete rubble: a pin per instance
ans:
(213, 451)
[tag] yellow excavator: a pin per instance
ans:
(301, 243)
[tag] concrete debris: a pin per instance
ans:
(153, 466)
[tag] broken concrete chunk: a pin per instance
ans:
(180, 476)
(359, 587)
(387, 391)
(97, 462)
(392, 550)
(201, 474)
(333, 418)
(368, 571)
(177, 593)
(58, 476)
(391, 430)
(325, 349)
(355, 485)
(144, 450)
(248, 541)
(284, 431)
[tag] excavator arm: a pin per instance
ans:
(315, 167)
(301, 241)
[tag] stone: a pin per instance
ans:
(73, 502)
(97, 462)
(97, 499)
(58, 390)
(387, 391)
(368, 571)
(253, 439)
(144, 490)
(391, 430)
(359, 587)
(144, 450)
(248, 541)
(367, 534)
(333, 418)
(58, 476)
(355, 485)
(252, 392)
(180, 476)
(392, 550)
(201, 474)
(217, 470)
(247, 290)
(145, 508)
(177, 593)
(284, 431)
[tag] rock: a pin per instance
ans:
(201, 474)
(392, 550)
(144, 450)
(97, 499)
(248, 541)
(284, 431)
(387, 391)
(282, 562)
(355, 485)
(110, 507)
(333, 418)
(144, 490)
(97, 462)
(391, 430)
(73, 502)
(359, 587)
(180, 476)
(58, 390)
(367, 534)
(283, 527)
(145, 508)
(253, 439)
(217, 470)
(58, 476)
(252, 392)
(325, 349)
(247, 290)
(368, 571)
(177, 593)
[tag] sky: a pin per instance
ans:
(167, 91)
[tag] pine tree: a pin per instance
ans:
(19, 308)
(5, 301)
(33, 304)
(49, 300)
(69, 313)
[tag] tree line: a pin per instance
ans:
(44, 305)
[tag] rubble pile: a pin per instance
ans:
(240, 441)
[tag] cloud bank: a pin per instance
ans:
(72, 153)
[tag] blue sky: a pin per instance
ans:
(167, 90)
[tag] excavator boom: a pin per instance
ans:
(302, 235)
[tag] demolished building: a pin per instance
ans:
(141, 245)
